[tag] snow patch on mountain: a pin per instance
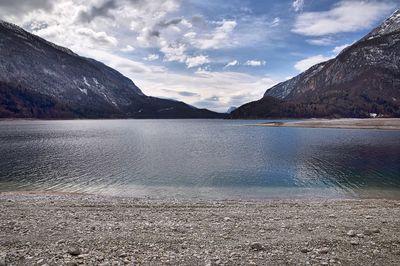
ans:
(390, 25)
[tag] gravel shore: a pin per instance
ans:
(366, 123)
(80, 229)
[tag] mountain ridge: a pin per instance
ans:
(58, 83)
(362, 79)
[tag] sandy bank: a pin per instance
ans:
(63, 229)
(368, 123)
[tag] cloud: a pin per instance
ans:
(127, 48)
(306, 63)
(187, 93)
(255, 63)
(298, 5)
(345, 16)
(177, 52)
(325, 41)
(232, 63)
(124, 65)
(152, 57)
(181, 93)
(213, 98)
(165, 24)
(93, 12)
(174, 52)
(219, 38)
(103, 29)
(340, 48)
(231, 88)
(275, 22)
(18, 8)
(197, 61)
(99, 38)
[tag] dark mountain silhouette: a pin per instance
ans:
(363, 79)
(39, 79)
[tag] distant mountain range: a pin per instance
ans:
(39, 79)
(363, 79)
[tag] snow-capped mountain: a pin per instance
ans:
(42, 80)
(364, 78)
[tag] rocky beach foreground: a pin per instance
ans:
(350, 123)
(80, 229)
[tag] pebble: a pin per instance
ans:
(323, 250)
(351, 233)
(257, 246)
(266, 245)
(227, 219)
(367, 232)
(354, 242)
(305, 250)
(74, 251)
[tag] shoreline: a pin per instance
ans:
(73, 228)
(343, 123)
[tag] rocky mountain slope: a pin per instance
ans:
(364, 78)
(39, 79)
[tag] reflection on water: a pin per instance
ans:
(198, 158)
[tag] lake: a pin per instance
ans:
(206, 159)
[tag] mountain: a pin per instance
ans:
(231, 109)
(39, 79)
(364, 78)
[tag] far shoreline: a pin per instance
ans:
(342, 123)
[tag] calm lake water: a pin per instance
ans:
(198, 159)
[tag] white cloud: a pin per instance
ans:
(232, 63)
(255, 63)
(101, 37)
(275, 22)
(174, 52)
(124, 65)
(197, 61)
(298, 5)
(131, 25)
(345, 16)
(152, 57)
(231, 88)
(220, 38)
(321, 41)
(127, 48)
(306, 63)
(17, 8)
(340, 48)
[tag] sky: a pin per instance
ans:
(210, 54)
